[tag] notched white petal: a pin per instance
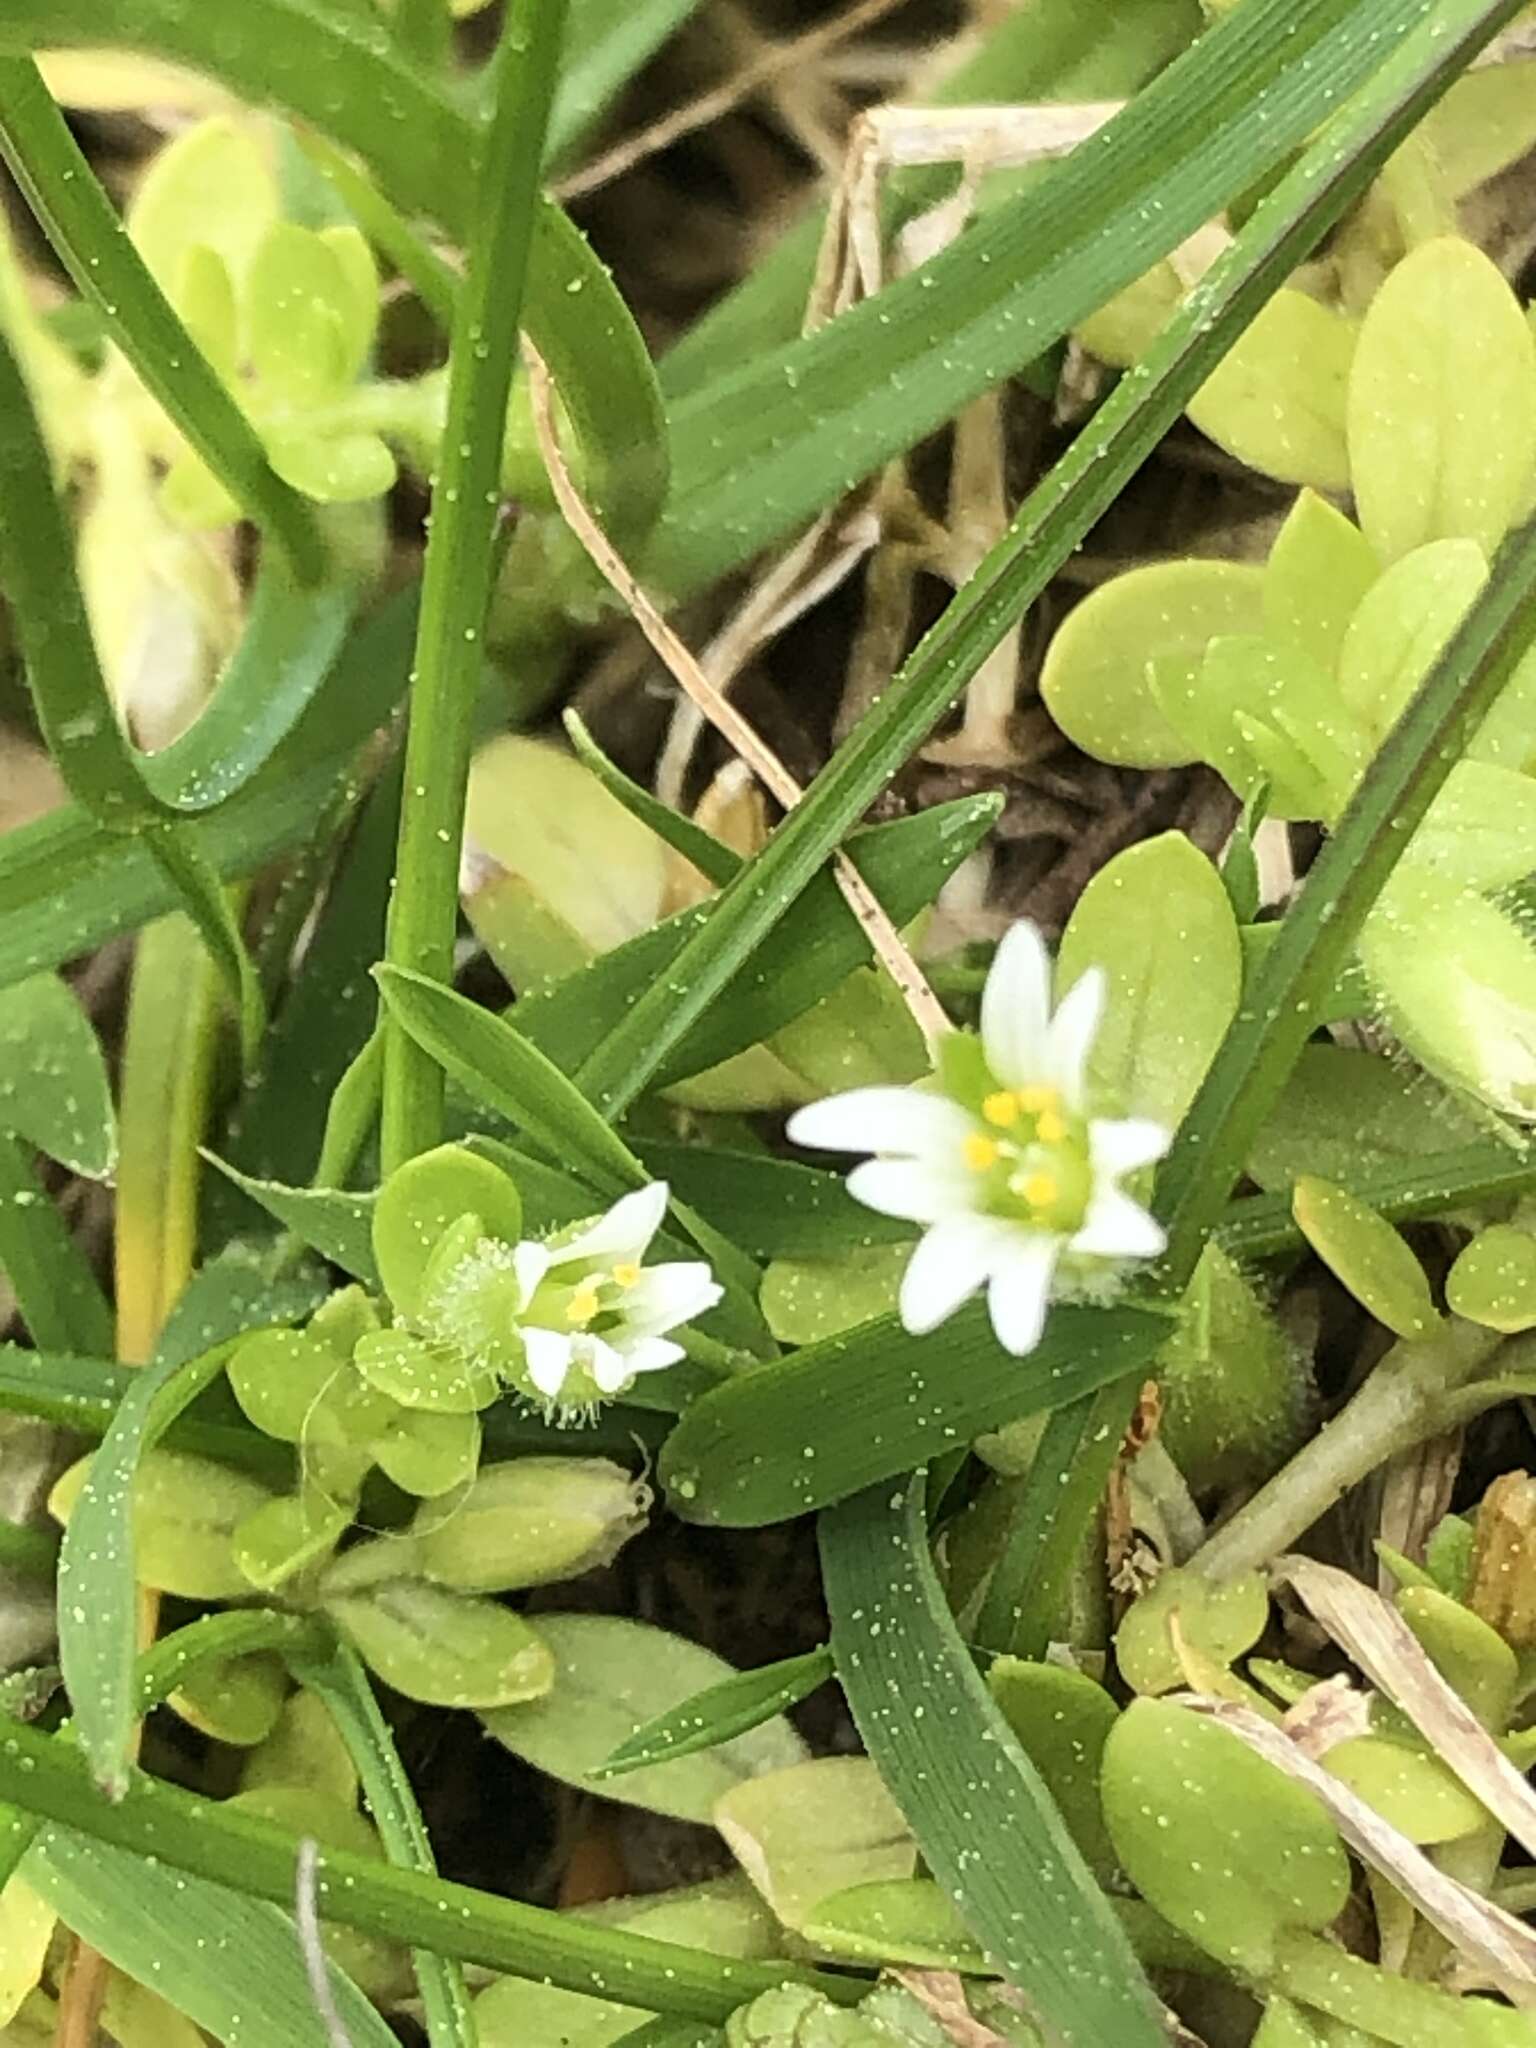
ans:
(1015, 1007)
(1072, 1032)
(667, 1295)
(1118, 1228)
(624, 1232)
(1122, 1146)
(549, 1358)
(1020, 1292)
(913, 1192)
(950, 1263)
(609, 1368)
(903, 1122)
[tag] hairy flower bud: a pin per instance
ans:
(530, 1522)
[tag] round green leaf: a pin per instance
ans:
(1216, 1621)
(1225, 1846)
(1416, 1794)
(1402, 624)
(1276, 400)
(1364, 1251)
(1493, 1282)
(813, 1830)
(1158, 922)
(612, 1677)
(284, 1537)
(421, 1199)
(279, 1377)
(1062, 1719)
(1152, 622)
(185, 1513)
(211, 185)
(445, 1649)
(233, 1699)
(806, 1300)
(1442, 404)
(1319, 569)
(425, 1453)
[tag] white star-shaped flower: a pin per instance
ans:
(592, 1315)
(1000, 1158)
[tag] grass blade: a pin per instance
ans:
(82, 224)
(44, 1776)
(231, 1964)
(986, 1825)
(98, 1591)
(720, 1712)
(460, 559)
(58, 1294)
(342, 1683)
(1053, 520)
(808, 1430)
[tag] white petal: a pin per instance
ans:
(1118, 1228)
(530, 1262)
(624, 1232)
(917, 1194)
(949, 1265)
(1020, 1293)
(1015, 1005)
(665, 1296)
(649, 1354)
(549, 1358)
(1073, 1030)
(610, 1369)
(1116, 1148)
(908, 1122)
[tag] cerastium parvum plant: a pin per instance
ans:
(629, 1420)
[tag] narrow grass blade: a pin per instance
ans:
(461, 554)
(986, 1825)
(1061, 510)
(713, 1716)
(335, 1222)
(342, 1683)
(98, 1591)
(1260, 1226)
(58, 1294)
(231, 1964)
(82, 224)
(774, 1208)
(54, 1088)
(813, 1428)
(46, 1777)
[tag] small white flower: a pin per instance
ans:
(1000, 1160)
(592, 1315)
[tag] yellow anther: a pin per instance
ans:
(1050, 1127)
(1002, 1108)
(582, 1306)
(980, 1152)
(1039, 1190)
(626, 1273)
(1039, 1096)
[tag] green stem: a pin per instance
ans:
(456, 580)
(341, 1682)
(1411, 1395)
(83, 226)
(47, 1778)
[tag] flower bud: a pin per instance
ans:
(1456, 976)
(531, 1522)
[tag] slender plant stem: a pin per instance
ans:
(46, 1777)
(456, 580)
(82, 224)
(341, 1682)
(1414, 1392)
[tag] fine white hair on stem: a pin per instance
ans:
(886, 942)
(307, 1918)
